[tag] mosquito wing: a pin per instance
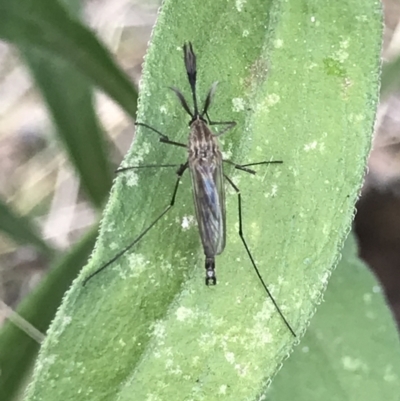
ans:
(209, 201)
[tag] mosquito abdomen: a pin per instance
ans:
(211, 279)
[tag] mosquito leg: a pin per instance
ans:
(122, 169)
(243, 167)
(163, 138)
(180, 172)
(260, 163)
(239, 166)
(251, 257)
(229, 125)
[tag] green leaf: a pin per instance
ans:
(17, 349)
(303, 90)
(21, 230)
(351, 350)
(46, 25)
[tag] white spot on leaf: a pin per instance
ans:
(158, 330)
(222, 389)
(352, 364)
(187, 222)
(310, 146)
(376, 289)
(272, 99)
(238, 104)
(240, 4)
(367, 298)
(230, 357)
(183, 313)
(389, 375)
(132, 180)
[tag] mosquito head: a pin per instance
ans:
(190, 64)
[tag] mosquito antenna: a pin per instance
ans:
(209, 98)
(182, 100)
(190, 64)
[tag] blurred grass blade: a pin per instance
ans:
(17, 320)
(351, 350)
(46, 25)
(390, 81)
(17, 349)
(303, 90)
(21, 230)
(69, 98)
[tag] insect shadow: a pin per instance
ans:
(205, 163)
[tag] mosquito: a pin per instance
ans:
(205, 163)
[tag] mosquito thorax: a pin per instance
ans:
(202, 143)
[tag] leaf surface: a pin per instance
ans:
(303, 89)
